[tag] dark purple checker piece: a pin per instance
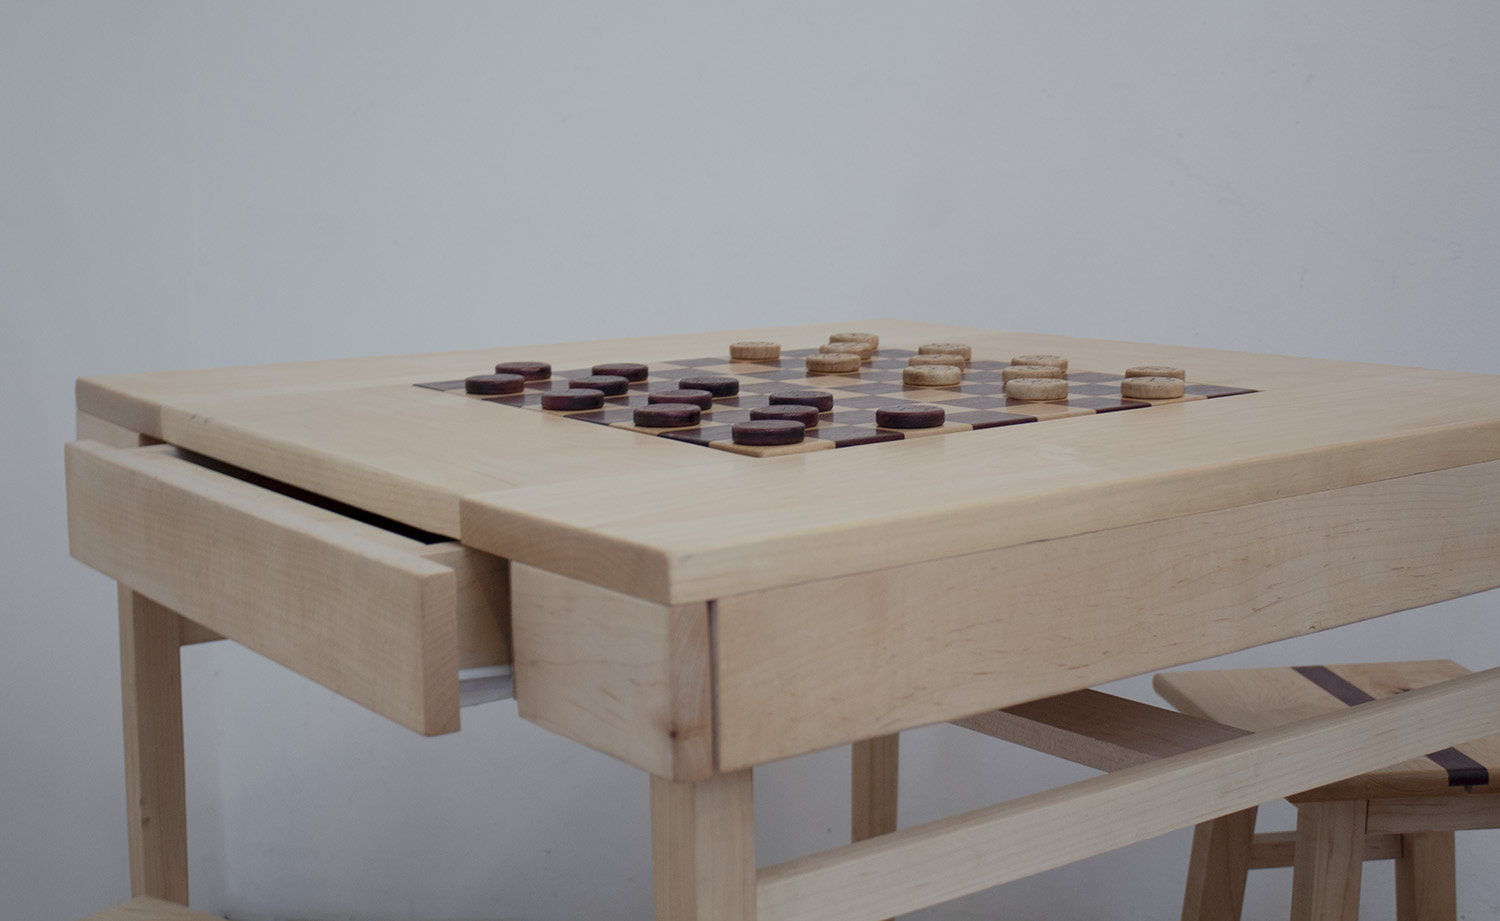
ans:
(819, 398)
(667, 415)
(699, 398)
(910, 416)
(718, 386)
(494, 383)
(608, 384)
(531, 370)
(797, 412)
(625, 369)
(583, 398)
(768, 432)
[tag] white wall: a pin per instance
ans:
(192, 184)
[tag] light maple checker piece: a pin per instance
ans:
(751, 404)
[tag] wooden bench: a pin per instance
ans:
(1407, 812)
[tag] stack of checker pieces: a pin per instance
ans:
(977, 402)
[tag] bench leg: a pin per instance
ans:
(1329, 860)
(703, 848)
(1217, 869)
(1425, 885)
(151, 674)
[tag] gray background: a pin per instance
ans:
(201, 184)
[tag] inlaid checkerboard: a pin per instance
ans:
(978, 402)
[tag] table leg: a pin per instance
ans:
(151, 674)
(703, 848)
(875, 767)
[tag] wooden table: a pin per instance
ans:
(696, 613)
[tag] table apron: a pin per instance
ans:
(824, 663)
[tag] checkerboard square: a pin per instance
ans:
(1093, 390)
(701, 435)
(1106, 404)
(845, 436)
(866, 402)
(726, 415)
(847, 417)
(988, 420)
(1212, 391)
(995, 402)
(872, 387)
(980, 387)
(605, 416)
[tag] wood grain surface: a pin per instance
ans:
(912, 644)
(353, 607)
(572, 498)
(1261, 698)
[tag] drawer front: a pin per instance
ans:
(369, 614)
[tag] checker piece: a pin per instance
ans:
(1152, 388)
(931, 375)
(796, 412)
(754, 350)
(822, 399)
(699, 398)
(494, 383)
(1035, 389)
(724, 386)
(629, 370)
(910, 416)
(833, 362)
(768, 432)
(531, 370)
(611, 385)
(580, 398)
(667, 415)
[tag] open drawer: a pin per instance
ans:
(383, 615)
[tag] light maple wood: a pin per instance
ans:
(1435, 813)
(146, 908)
(1099, 730)
(976, 492)
(1329, 861)
(532, 488)
(92, 428)
(1425, 878)
(703, 848)
(1050, 617)
(1335, 821)
(923, 865)
(1272, 849)
(1256, 699)
(1278, 515)
(481, 592)
(625, 676)
(1223, 852)
(155, 779)
(293, 582)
